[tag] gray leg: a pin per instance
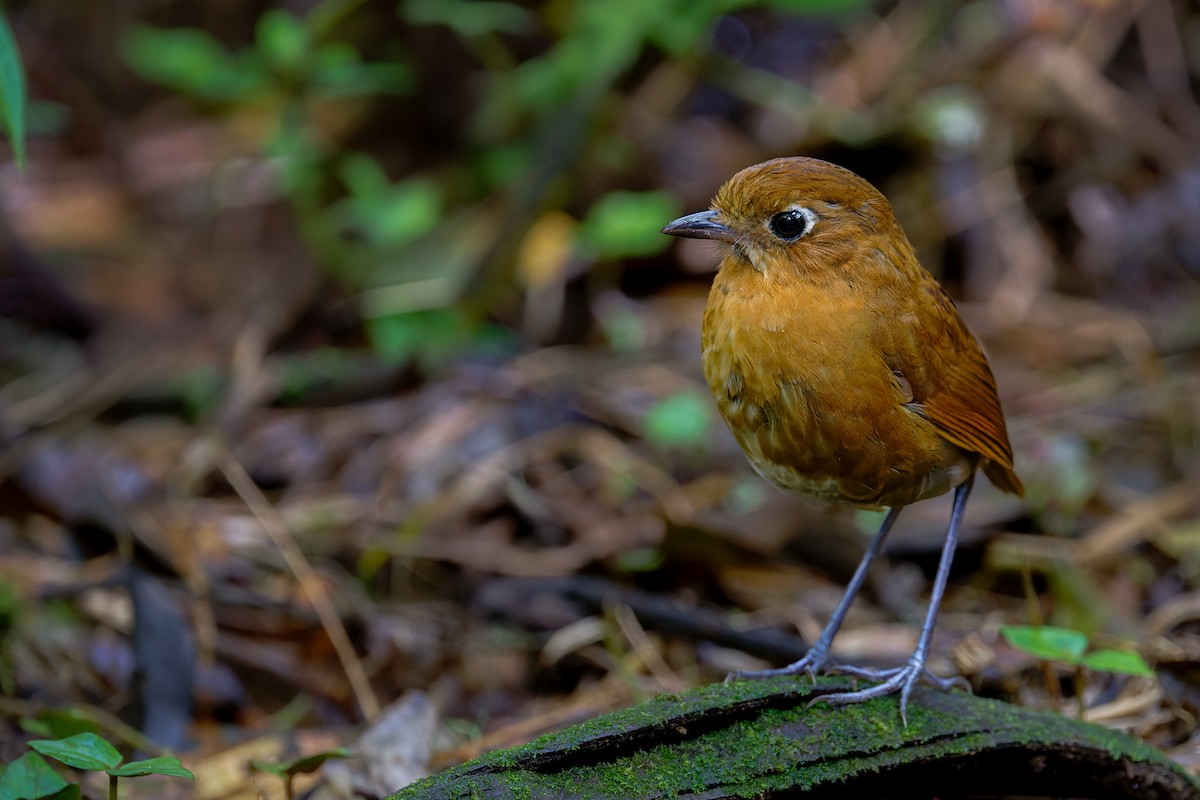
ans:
(903, 680)
(817, 657)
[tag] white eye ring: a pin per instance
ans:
(794, 222)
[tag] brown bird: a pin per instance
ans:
(843, 369)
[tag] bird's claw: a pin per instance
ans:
(812, 664)
(899, 680)
(927, 676)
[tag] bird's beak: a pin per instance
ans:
(704, 225)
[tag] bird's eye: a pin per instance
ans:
(792, 224)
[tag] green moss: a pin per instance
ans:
(752, 737)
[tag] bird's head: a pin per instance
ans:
(796, 213)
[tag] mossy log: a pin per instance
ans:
(760, 739)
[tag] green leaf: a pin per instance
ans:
(282, 39)
(604, 38)
(389, 214)
(471, 18)
(81, 751)
(410, 209)
(299, 153)
(624, 330)
(271, 769)
(683, 419)
(1125, 662)
(429, 337)
(339, 71)
(10, 608)
(303, 764)
(200, 389)
(363, 176)
(163, 765)
(1046, 641)
(12, 91)
(192, 62)
(29, 778)
(59, 723)
(625, 224)
(640, 559)
(313, 762)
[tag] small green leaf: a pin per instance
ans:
(1125, 662)
(59, 723)
(410, 209)
(471, 17)
(301, 765)
(174, 57)
(748, 494)
(683, 419)
(684, 25)
(163, 765)
(431, 337)
(868, 521)
(505, 162)
(338, 71)
(1046, 641)
(625, 224)
(193, 62)
(81, 751)
(389, 214)
(10, 608)
(282, 39)
(271, 769)
(29, 778)
(363, 176)
(624, 330)
(201, 389)
(640, 559)
(12, 91)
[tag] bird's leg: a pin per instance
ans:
(903, 680)
(817, 657)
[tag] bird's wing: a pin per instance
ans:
(964, 407)
(955, 390)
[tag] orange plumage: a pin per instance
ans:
(838, 362)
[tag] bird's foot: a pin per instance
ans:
(927, 676)
(815, 661)
(899, 680)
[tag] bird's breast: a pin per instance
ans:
(800, 381)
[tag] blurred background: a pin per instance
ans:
(341, 356)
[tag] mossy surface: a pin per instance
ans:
(757, 738)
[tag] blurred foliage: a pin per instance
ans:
(12, 92)
(430, 337)
(286, 771)
(59, 724)
(625, 224)
(428, 239)
(681, 420)
(9, 610)
(285, 59)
